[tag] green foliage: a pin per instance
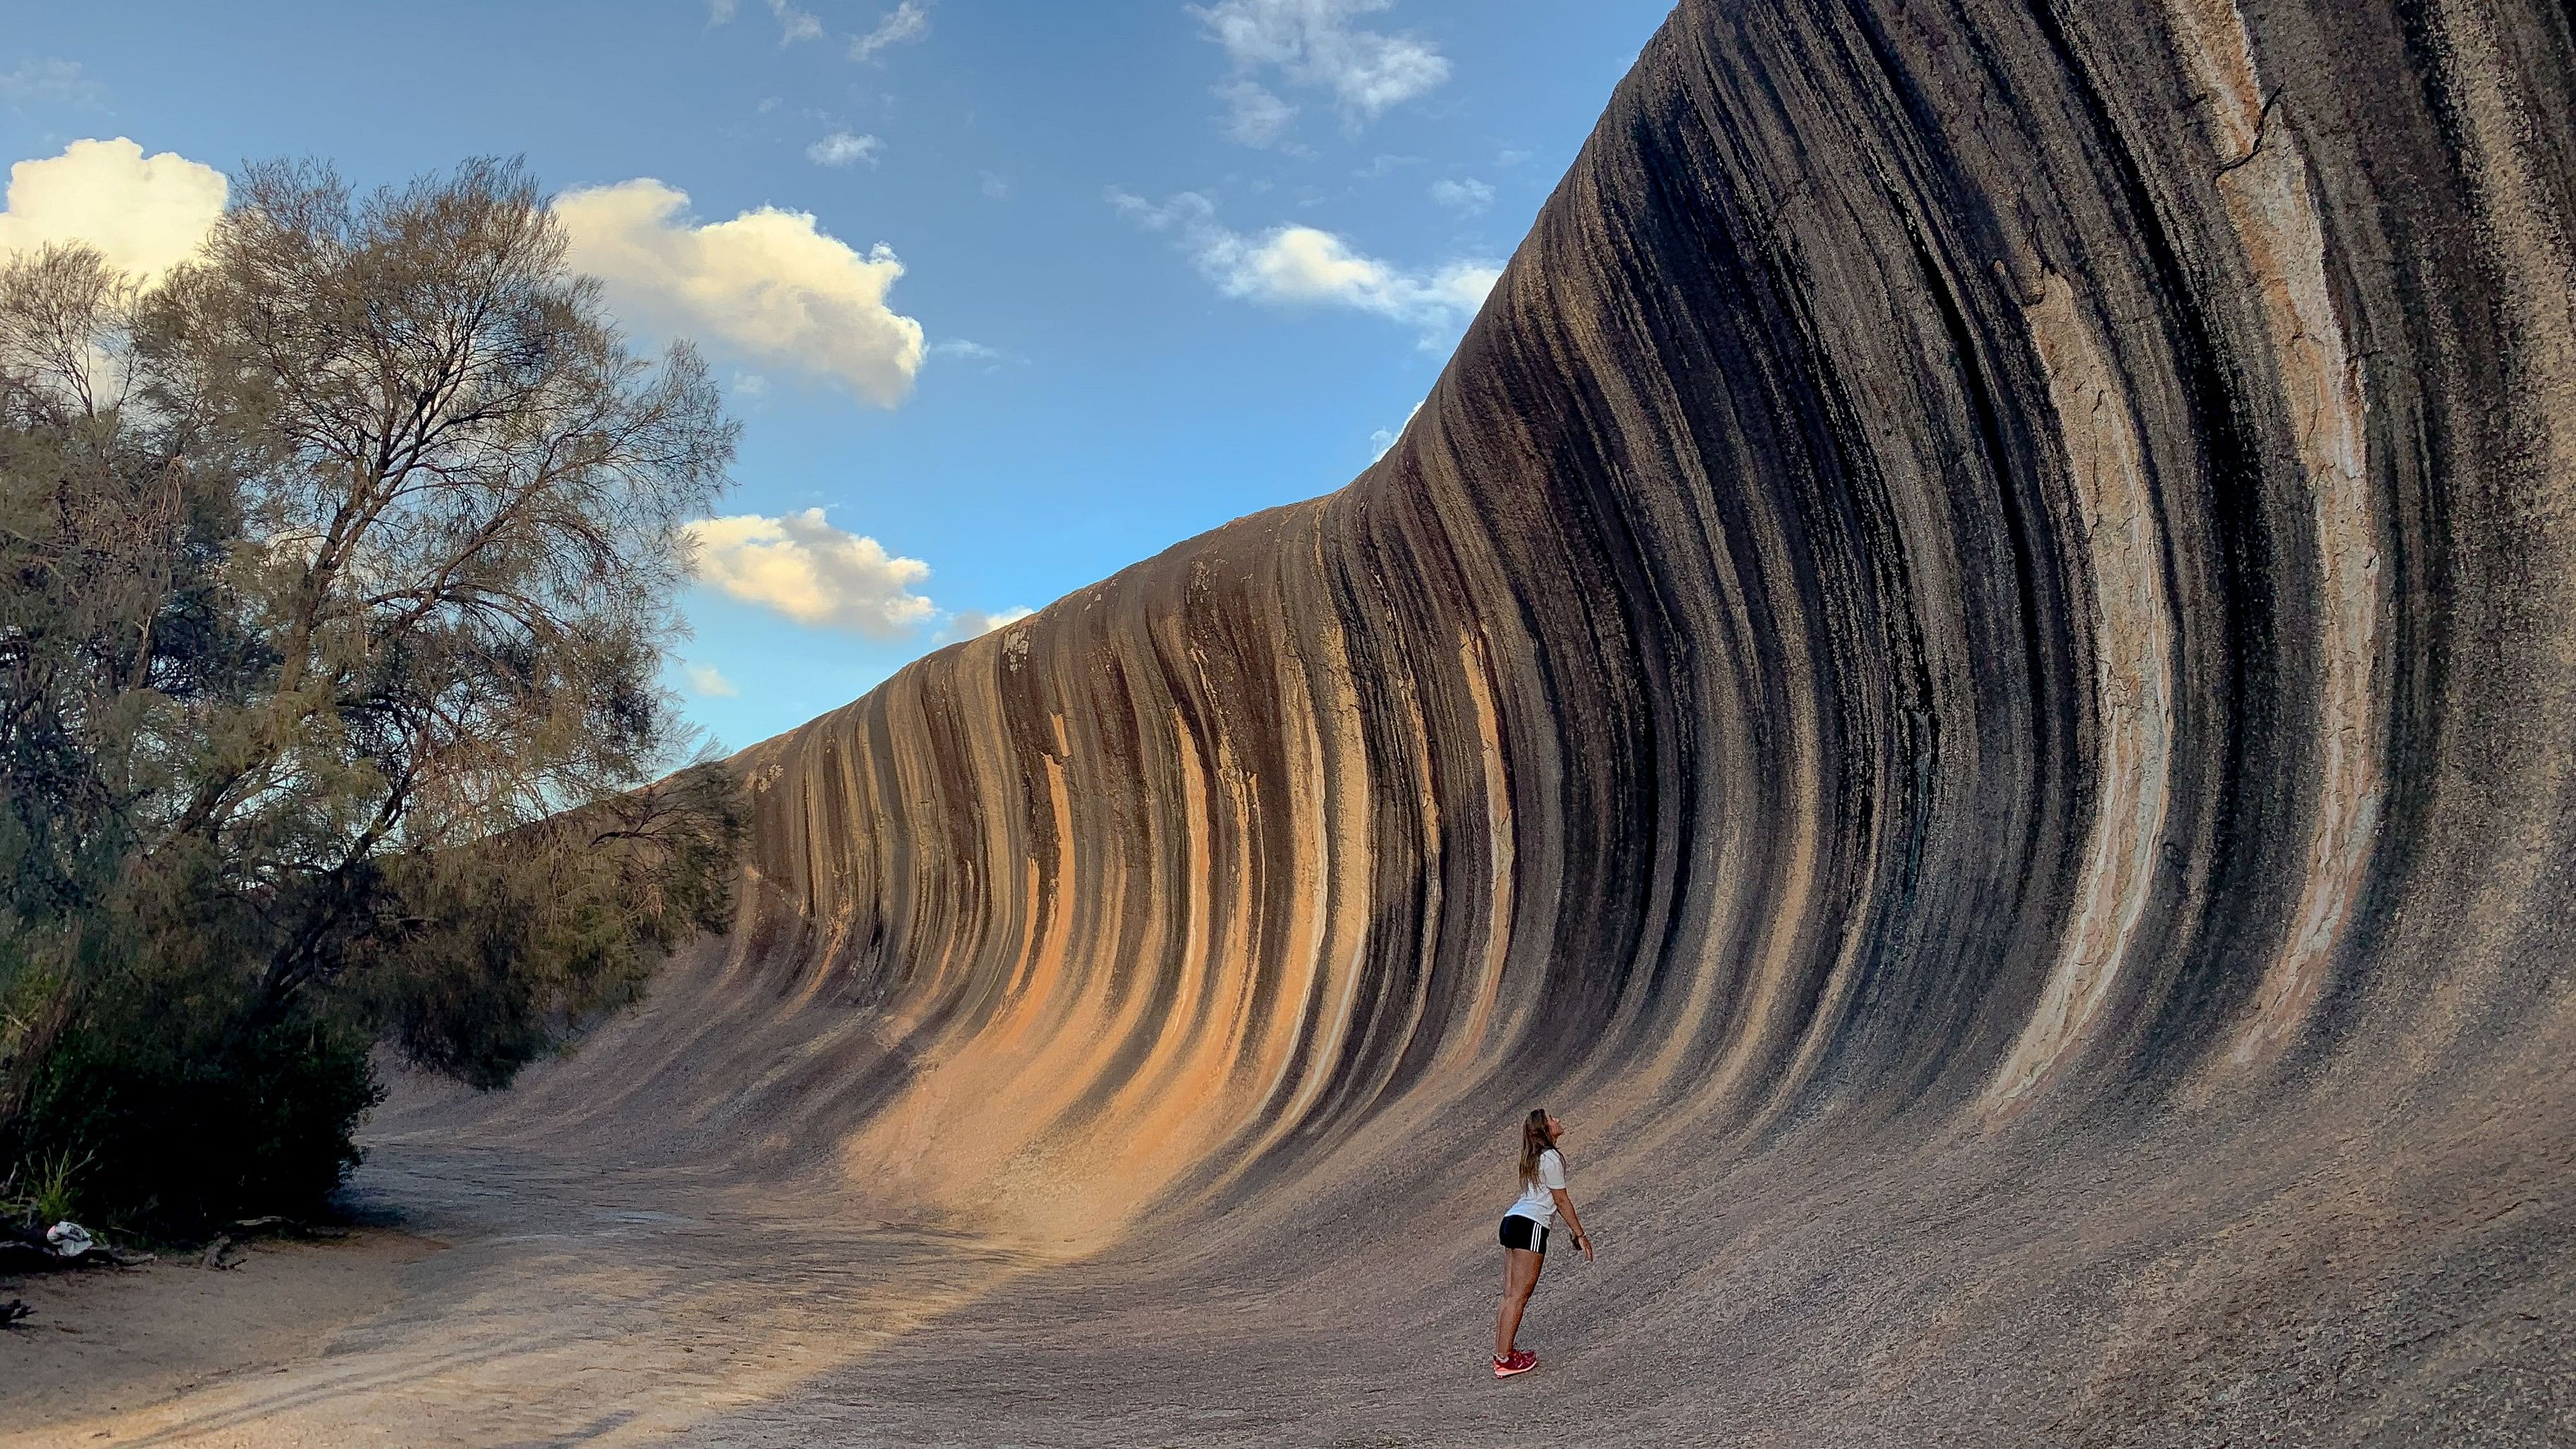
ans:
(335, 574)
(46, 1197)
(566, 918)
(199, 1111)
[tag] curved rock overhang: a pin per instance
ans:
(1988, 569)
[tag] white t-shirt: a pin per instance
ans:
(1537, 1201)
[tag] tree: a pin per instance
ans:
(340, 568)
(107, 558)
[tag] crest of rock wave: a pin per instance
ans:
(1968, 670)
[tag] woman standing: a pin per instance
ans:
(1524, 1235)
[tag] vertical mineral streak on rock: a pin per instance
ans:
(1145, 1091)
(1180, 1101)
(1418, 745)
(1343, 842)
(1297, 899)
(2269, 194)
(1223, 1060)
(1783, 907)
(926, 904)
(844, 859)
(2516, 159)
(1130, 964)
(1780, 786)
(2132, 637)
(1309, 940)
(1473, 666)
(990, 782)
(1038, 992)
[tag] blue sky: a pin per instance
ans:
(1160, 264)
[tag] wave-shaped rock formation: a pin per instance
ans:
(1969, 669)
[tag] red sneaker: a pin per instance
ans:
(1516, 1363)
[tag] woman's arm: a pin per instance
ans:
(1565, 1209)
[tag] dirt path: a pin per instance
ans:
(107, 1342)
(576, 1302)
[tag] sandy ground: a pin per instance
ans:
(1945, 1295)
(572, 1302)
(107, 1341)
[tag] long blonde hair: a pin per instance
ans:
(1535, 1141)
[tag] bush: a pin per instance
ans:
(187, 1119)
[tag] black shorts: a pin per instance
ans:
(1520, 1232)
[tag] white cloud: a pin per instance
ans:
(51, 82)
(769, 284)
(1254, 116)
(975, 623)
(1314, 43)
(841, 148)
(707, 680)
(997, 187)
(144, 214)
(794, 24)
(1384, 438)
(1301, 264)
(907, 22)
(1186, 208)
(803, 567)
(965, 351)
(1306, 266)
(1468, 197)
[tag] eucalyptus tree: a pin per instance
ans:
(341, 569)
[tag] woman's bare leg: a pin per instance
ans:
(1520, 1275)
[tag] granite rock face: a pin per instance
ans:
(1992, 574)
